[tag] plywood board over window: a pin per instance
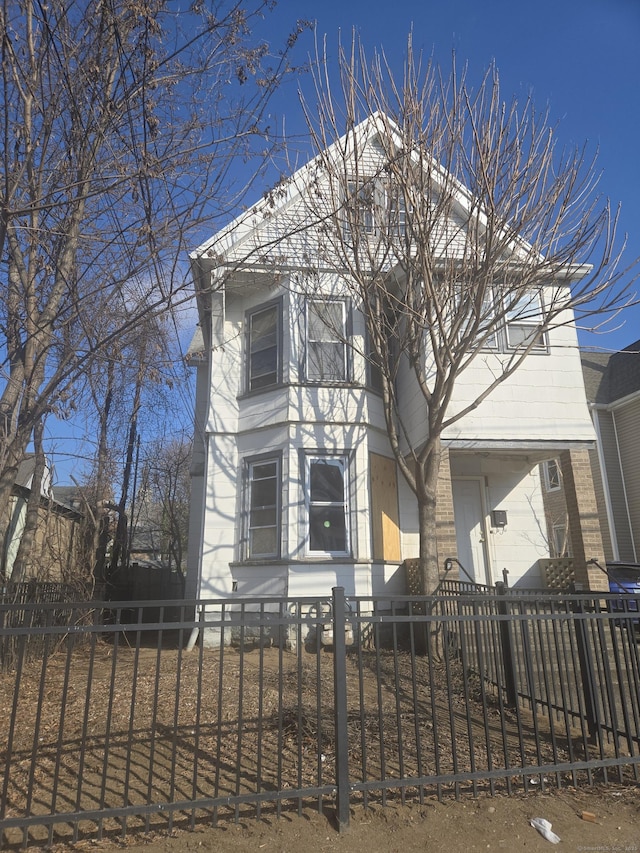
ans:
(384, 508)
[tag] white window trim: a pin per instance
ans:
(249, 315)
(526, 322)
(250, 463)
(335, 340)
(309, 459)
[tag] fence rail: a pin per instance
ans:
(125, 721)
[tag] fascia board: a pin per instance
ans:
(622, 401)
(480, 445)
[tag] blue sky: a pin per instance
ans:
(579, 57)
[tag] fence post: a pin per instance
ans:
(586, 664)
(340, 708)
(508, 657)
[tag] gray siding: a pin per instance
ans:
(616, 485)
(627, 420)
(598, 488)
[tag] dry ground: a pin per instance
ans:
(486, 823)
(138, 737)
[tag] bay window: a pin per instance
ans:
(327, 505)
(264, 485)
(326, 341)
(263, 347)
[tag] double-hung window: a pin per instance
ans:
(397, 211)
(376, 207)
(487, 321)
(326, 341)
(263, 347)
(362, 199)
(327, 505)
(264, 484)
(523, 320)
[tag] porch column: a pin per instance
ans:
(445, 524)
(584, 523)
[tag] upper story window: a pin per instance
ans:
(327, 505)
(561, 545)
(491, 339)
(397, 209)
(362, 197)
(326, 341)
(264, 485)
(523, 320)
(552, 476)
(505, 328)
(264, 343)
(376, 207)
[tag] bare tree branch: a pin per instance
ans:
(123, 122)
(461, 231)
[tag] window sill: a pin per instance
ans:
(311, 560)
(247, 395)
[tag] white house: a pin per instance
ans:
(295, 487)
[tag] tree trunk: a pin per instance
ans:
(27, 540)
(427, 486)
(120, 556)
(100, 537)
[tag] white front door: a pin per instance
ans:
(468, 509)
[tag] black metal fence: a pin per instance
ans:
(32, 604)
(247, 706)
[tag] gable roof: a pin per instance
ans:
(278, 198)
(609, 377)
(255, 231)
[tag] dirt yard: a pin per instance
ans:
(90, 730)
(486, 823)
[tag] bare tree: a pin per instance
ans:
(462, 224)
(164, 497)
(127, 391)
(121, 124)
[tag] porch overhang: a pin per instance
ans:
(533, 451)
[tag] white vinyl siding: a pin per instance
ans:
(615, 485)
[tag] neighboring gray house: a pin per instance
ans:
(612, 383)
